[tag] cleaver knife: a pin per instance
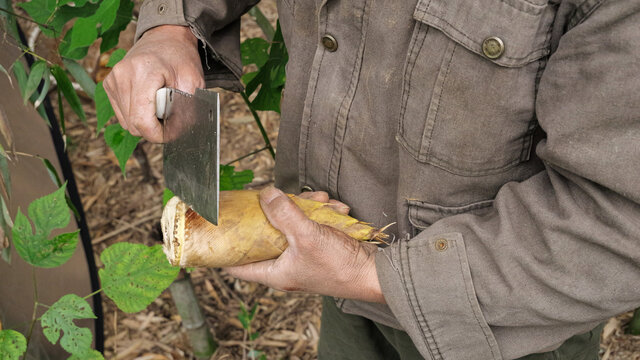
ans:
(191, 154)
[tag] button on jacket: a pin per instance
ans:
(503, 137)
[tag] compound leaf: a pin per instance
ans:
(59, 318)
(12, 345)
(47, 213)
(134, 274)
(121, 142)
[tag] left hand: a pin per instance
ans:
(319, 259)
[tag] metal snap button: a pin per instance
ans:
(442, 244)
(493, 47)
(330, 43)
(162, 8)
(306, 188)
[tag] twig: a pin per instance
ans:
(259, 123)
(246, 156)
(123, 229)
(26, 18)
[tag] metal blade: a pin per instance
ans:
(191, 152)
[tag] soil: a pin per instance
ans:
(128, 209)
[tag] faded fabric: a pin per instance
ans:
(514, 181)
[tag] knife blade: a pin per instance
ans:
(191, 156)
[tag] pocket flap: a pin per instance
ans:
(524, 26)
(423, 214)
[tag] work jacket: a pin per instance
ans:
(501, 136)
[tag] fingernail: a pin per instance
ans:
(269, 194)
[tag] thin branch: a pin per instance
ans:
(247, 155)
(26, 18)
(259, 123)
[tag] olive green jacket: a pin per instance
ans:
(502, 136)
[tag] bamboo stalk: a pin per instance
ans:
(193, 321)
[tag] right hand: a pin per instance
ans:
(165, 56)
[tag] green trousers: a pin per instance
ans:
(351, 337)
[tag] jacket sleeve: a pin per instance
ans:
(559, 252)
(216, 24)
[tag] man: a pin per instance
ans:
(501, 135)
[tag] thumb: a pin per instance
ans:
(284, 214)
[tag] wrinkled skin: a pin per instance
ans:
(165, 56)
(319, 259)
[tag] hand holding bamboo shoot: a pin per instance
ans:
(243, 234)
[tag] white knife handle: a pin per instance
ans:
(163, 97)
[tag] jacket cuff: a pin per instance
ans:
(426, 282)
(159, 12)
(219, 51)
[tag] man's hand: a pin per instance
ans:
(319, 259)
(166, 55)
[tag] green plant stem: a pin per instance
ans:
(35, 307)
(259, 123)
(247, 155)
(93, 293)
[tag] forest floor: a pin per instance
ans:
(129, 209)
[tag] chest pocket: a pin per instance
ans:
(469, 87)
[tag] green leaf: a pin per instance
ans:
(59, 318)
(21, 75)
(134, 274)
(254, 336)
(166, 196)
(45, 89)
(53, 173)
(12, 345)
(243, 316)
(68, 91)
(254, 51)
(121, 142)
(115, 57)
(270, 77)
(106, 14)
(82, 77)
(91, 355)
(104, 111)
(83, 33)
(63, 126)
(246, 78)
(123, 18)
(5, 174)
(41, 11)
(35, 77)
(234, 180)
(47, 213)
(65, 48)
(66, 13)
